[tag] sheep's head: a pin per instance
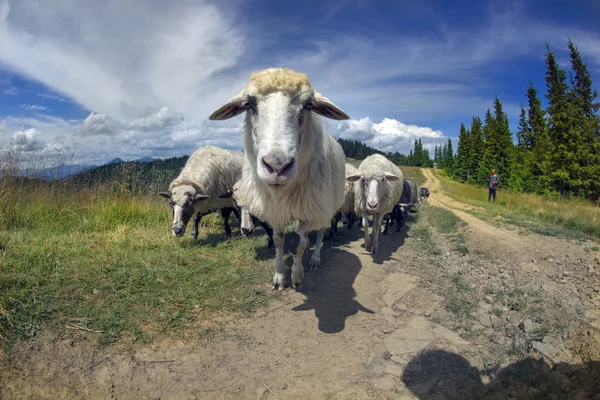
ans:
(182, 199)
(279, 104)
(374, 188)
(246, 225)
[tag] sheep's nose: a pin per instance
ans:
(246, 231)
(372, 205)
(277, 162)
(177, 231)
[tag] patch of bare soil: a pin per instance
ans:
(513, 317)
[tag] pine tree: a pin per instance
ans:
(564, 140)
(520, 175)
(538, 142)
(463, 154)
(582, 98)
(449, 157)
(477, 147)
(485, 165)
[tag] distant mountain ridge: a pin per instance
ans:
(67, 170)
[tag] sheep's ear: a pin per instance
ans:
(390, 177)
(201, 197)
(326, 108)
(232, 108)
(226, 195)
(166, 195)
(353, 178)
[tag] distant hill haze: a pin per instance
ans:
(66, 170)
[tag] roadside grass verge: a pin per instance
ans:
(570, 218)
(105, 261)
(414, 173)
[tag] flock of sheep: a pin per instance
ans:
(291, 170)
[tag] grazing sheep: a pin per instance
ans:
(376, 192)
(247, 220)
(208, 172)
(346, 212)
(405, 205)
(294, 170)
(423, 193)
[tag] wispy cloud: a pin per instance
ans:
(35, 107)
(130, 56)
(10, 91)
(53, 97)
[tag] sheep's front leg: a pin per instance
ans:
(375, 235)
(365, 222)
(197, 218)
(298, 247)
(225, 213)
(279, 278)
(315, 259)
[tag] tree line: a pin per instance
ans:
(417, 157)
(557, 149)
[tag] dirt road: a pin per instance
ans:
(406, 324)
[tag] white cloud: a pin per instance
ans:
(389, 135)
(35, 107)
(10, 91)
(156, 119)
(96, 125)
(53, 97)
(121, 58)
(26, 141)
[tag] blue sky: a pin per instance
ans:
(98, 80)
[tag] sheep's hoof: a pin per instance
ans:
(297, 275)
(374, 250)
(278, 281)
(315, 263)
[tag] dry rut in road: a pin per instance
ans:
(409, 323)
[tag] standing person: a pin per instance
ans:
(494, 180)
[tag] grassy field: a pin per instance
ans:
(106, 261)
(570, 218)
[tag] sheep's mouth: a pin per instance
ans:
(277, 180)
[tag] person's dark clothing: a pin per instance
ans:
(494, 180)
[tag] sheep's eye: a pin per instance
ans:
(383, 179)
(309, 104)
(249, 104)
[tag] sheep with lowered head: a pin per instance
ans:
(377, 189)
(294, 170)
(208, 172)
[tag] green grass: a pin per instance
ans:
(107, 262)
(414, 173)
(551, 217)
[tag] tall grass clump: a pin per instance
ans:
(101, 256)
(568, 216)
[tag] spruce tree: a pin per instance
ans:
(449, 159)
(486, 163)
(565, 141)
(498, 146)
(538, 142)
(463, 154)
(582, 99)
(520, 176)
(477, 147)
